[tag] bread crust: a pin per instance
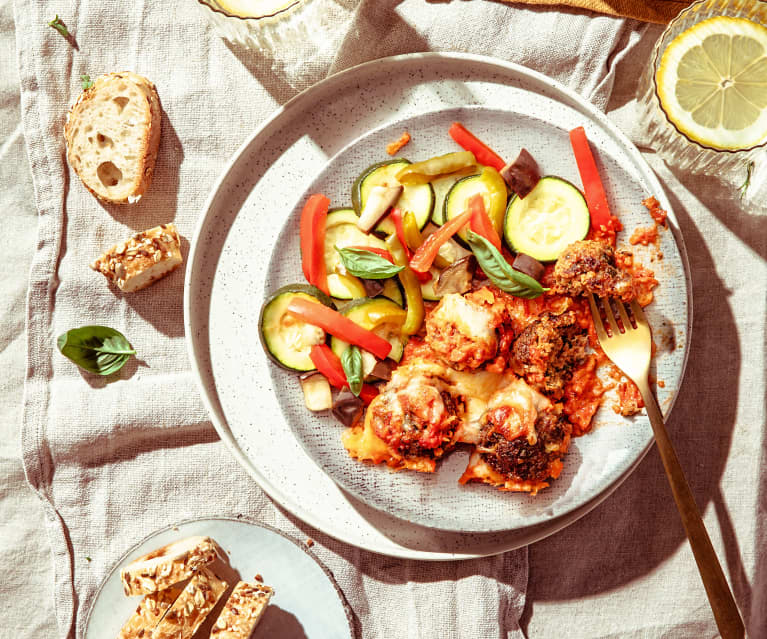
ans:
(168, 565)
(149, 134)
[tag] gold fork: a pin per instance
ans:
(630, 349)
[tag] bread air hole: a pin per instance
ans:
(121, 101)
(109, 174)
(103, 140)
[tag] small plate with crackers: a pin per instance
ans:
(220, 578)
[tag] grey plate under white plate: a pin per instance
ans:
(307, 602)
(246, 246)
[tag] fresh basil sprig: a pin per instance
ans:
(499, 271)
(87, 82)
(57, 24)
(367, 264)
(97, 349)
(351, 360)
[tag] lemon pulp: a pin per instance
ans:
(712, 83)
(254, 8)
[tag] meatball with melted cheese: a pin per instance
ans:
(415, 415)
(548, 350)
(461, 330)
(589, 266)
(526, 458)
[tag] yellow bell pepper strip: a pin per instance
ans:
(431, 169)
(399, 227)
(484, 154)
(336, 324)
(411, 286)
(424, 257)
(414, 239)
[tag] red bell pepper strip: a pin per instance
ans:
(336, 324)
(378, 251)
(329, 364)
(368, 393)
(484, 154)
(396, 217)
(313, 217)
(480, 221)
(592, 185)
(424, 257)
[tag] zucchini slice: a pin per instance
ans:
(441, 188)
(380, 315)
(392, 291)
(418, 198)
(490, 185)
(427, 288)
(549, 218)
(288, 340)
(341, 230)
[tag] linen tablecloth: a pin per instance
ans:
(98, 452)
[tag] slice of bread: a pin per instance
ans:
(168, 565)
(148, 613)
(142, 260)
(112, 134)
(242, 611)
(188, 612)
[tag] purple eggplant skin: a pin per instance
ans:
(347, 408)
(382, 370)
(372, 287)
(529, 266)
(522, 174)
(457, 277)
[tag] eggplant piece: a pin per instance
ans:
(317, 395)
(373, 288)
(347, 408)
(382, 370)
(522, 174)
(457, 277)
(529, 266)
(379, 201)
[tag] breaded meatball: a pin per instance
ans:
(548, 350)
(415, 415)
(589, 266)
(518, 459)
(461, 330)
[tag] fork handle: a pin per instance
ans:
(720, 597)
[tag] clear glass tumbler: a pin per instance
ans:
(656, 129)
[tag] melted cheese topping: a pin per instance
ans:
(469, 318)
(525, 404)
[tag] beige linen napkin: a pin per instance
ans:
(114, 459)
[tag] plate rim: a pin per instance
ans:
(243, 519)
(289, 502)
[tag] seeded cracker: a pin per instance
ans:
(142, 260)
(192, 606)
(242, 612)
(148, 613)
(167, 565)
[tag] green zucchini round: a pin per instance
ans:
(418, 198)
(279, 338)
(547, 220)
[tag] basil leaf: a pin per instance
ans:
(57, 24)
(500, 272)
(97, 349)
(87, 82)
(351, 360)
(367, 264)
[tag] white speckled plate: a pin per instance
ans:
(246, 246)
(306, 602)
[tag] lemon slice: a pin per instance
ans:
(712, 83)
